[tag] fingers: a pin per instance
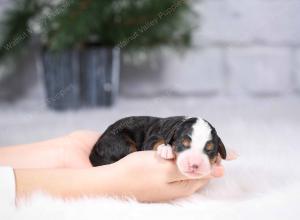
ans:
(196, 185)
(188, 187)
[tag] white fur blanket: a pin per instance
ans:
(264, 183)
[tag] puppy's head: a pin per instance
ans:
(197, 146)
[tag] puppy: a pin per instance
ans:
(193, 142)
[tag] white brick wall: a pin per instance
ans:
(245, 47)
(250, 21)
(297, 71)
(198, 71)
(259, 70)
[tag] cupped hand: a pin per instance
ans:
(78, 145)
(143, 175)
(148, 177)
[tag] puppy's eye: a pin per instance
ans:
(186, 143)
(209, 146)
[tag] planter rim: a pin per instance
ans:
(44, 48)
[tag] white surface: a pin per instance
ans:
(264, 183)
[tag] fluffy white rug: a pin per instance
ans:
(264, 183)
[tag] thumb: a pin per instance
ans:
(188, 187)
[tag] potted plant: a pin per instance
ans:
(82, 41)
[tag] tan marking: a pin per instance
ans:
(186, 143)
(209, 146)
(132, 148)
(132, 145)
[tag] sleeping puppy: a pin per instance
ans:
(193, 142)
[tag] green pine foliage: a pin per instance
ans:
(129, 24)
(15, 30)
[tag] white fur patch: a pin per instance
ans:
(201, 134)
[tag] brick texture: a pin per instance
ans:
(244, 21)
(259, 70)
(297, 71)
(198, 72)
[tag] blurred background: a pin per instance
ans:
(73, 64)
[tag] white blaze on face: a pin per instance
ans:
(201, 134)
(194, 162)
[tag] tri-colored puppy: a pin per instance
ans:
(193, 142)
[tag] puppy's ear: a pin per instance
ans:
(218, 141)
(221, 149)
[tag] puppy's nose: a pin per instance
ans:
(195, 166)
(195, 163)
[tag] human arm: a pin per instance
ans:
(142, 175)
(69, 151)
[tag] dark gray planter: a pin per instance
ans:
(62, 78)
(100, 68)
(86, 78)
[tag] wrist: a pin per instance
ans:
(107, 180)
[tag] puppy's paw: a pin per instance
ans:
(165, 152)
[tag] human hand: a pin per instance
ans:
(150, 178)
(79, 144)
(143, 175)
